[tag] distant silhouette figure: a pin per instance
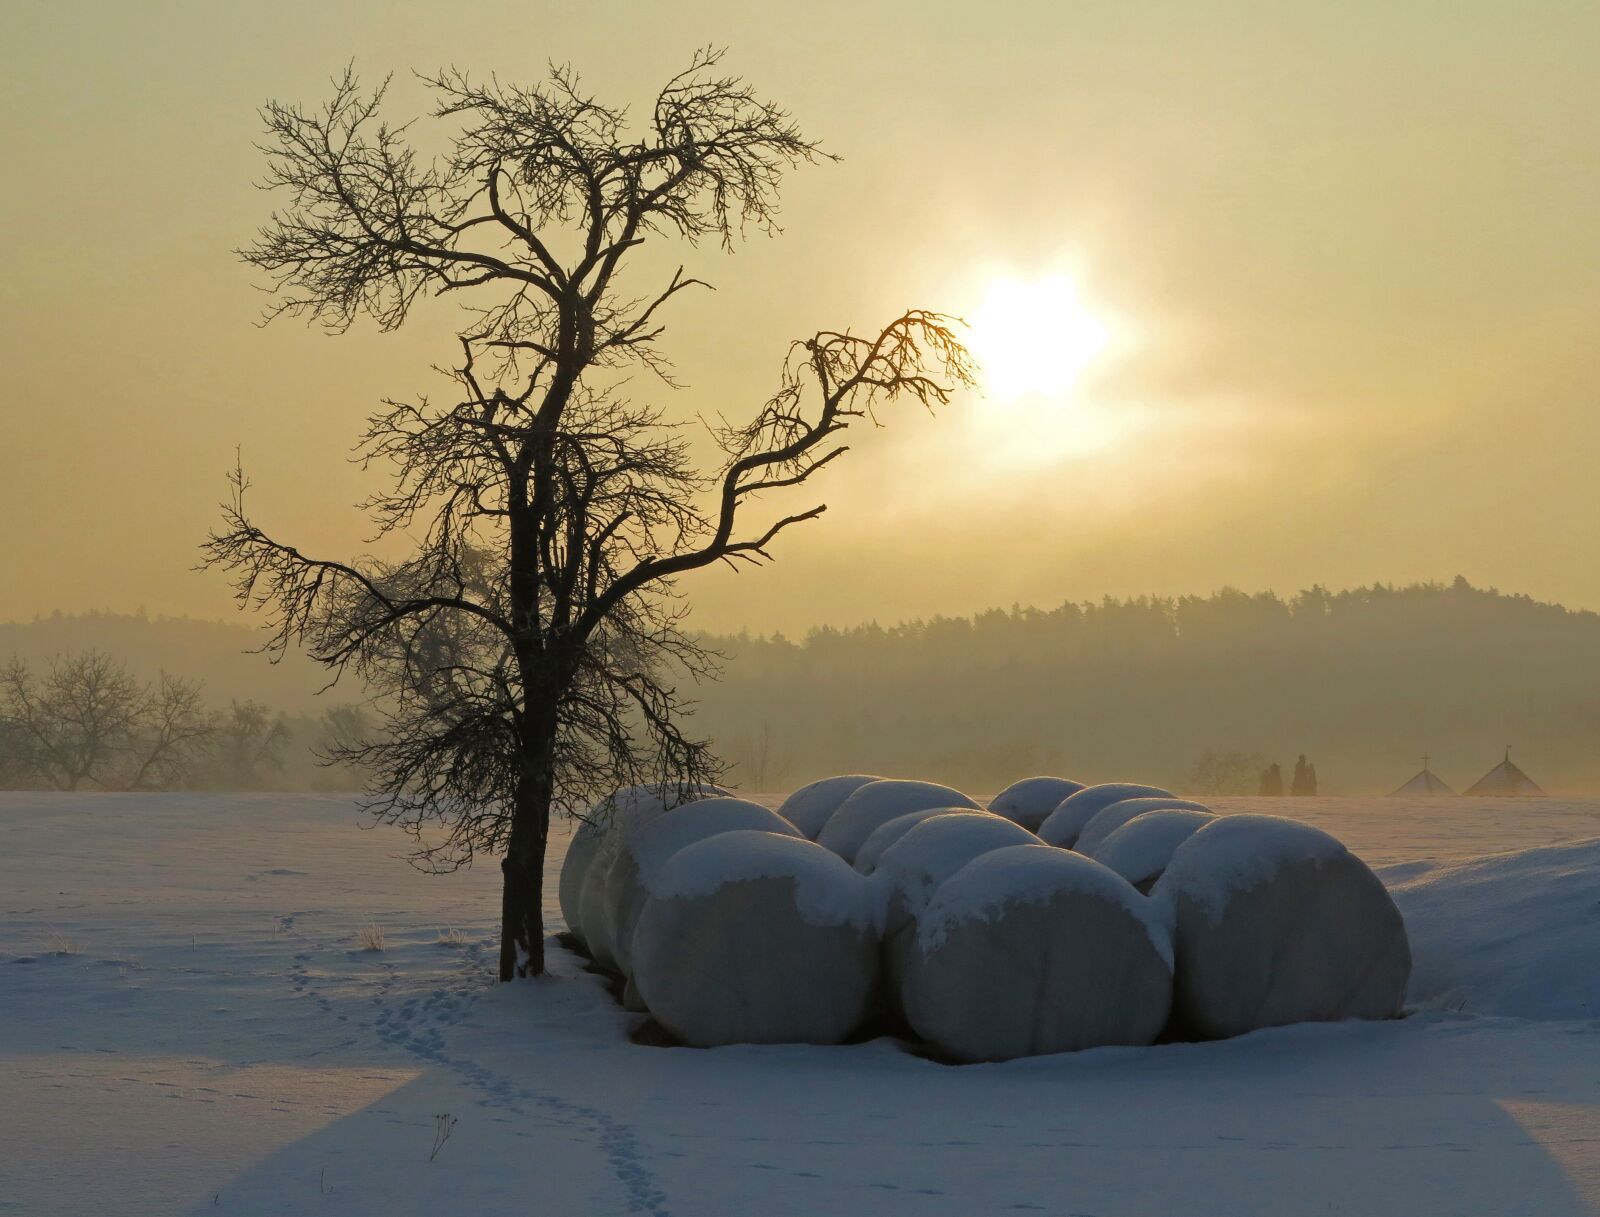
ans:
(1305, 777)
(1271, 781)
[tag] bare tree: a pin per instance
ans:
(18, 767)
(522, 654)
(341, 730)
(761, 759)
(247, 743)
(171, 735)
(77, 720)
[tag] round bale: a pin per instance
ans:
(887, 834)
(616, 818)
(875, 804)
(1062, 826)
(1140, 850)
(751, 937)
(911, 869)
(1026, 951)
(1108, 819)
(638, 861)
(1276, 922)
(1031, 800)
(809, 807)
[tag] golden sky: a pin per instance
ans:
(1346, 256)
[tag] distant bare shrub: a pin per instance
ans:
(449, 936)
(761, 760)
(1219, 772)
(443, 1125)
(369, 935)
(88, 722)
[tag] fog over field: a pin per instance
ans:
(1364, 681)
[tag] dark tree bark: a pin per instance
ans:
(525, 658)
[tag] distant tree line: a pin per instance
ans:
(1192, 692)
(1196, 693)
(85, 722)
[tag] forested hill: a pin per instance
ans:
(1363, 681)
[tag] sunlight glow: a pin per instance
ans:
(1034, 338)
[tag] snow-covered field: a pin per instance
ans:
(188, 1025)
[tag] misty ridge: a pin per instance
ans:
(1193, 692)
(1162, 689)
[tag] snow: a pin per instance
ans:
(1531, 945)
(1063, 825)
(216, 1044)
(1027, 874)
(809, 807)
(626, 883)
(654, 844)
(934, 849)
(1109, 819)
(827, 892)
(875, 804)
(1141, 848)
(625, 811)
(1237, 853)
(888, 833)
(1031, 800)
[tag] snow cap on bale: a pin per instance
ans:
(1062, 826)
(1108, 819)
(639, 860)
(827, 893)
(1027, 950)
(1140, 850)
(913, 867)
(616, 818)
(750, 937)
(875, 804)
(888, 833)
(809, 807)
(1030, 801)
(1276, 922)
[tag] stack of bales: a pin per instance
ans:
(1114, 915)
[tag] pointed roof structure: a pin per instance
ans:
(1425, 783)
(1505, 779)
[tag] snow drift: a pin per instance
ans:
(1514, 934)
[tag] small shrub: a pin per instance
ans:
(449, 936)
(443, 1125)
(369, 935)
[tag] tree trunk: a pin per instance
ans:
(522, 898)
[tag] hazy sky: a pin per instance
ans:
(1346, 256)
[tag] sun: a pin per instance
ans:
(1034, 338)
